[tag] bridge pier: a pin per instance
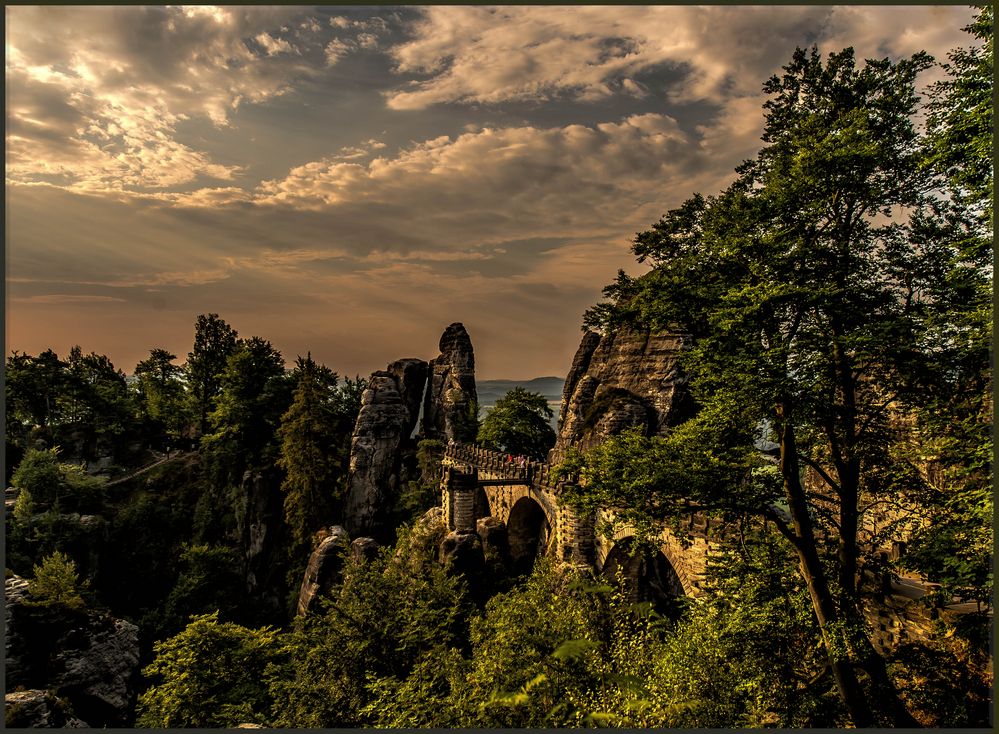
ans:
(459, 499)
(576, 536)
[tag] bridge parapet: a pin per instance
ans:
(538, 474)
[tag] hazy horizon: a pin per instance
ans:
(350, 180)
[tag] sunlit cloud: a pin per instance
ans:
(321, 175)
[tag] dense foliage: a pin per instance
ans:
(824, 291)
(519, 424)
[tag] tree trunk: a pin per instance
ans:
(823, 604)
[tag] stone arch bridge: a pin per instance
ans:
(479, 483)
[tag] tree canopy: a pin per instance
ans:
(519, 424)
(822, 289)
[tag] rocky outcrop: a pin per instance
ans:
(462, 555)
(363, 550)
(411, 376)
(38, 709)
(260, 523)
(451, 391)
(325, 566)
(86, 657)
(580, 364)
(382, 429)
(622, 379)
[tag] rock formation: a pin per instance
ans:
(86, 657)
(451, 391)
(381, 432)
(383, 449)
(38, 709)
(325, 565)
(411, 377)
(622, 379)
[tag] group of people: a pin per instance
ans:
(521, 461)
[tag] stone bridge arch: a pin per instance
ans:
(478, 483)
(529, 532)
(676, 569)
(646, 572)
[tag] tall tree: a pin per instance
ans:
(519, 424)
(161, 394)
(955, 548)
(817, 287)
(247, 409)
(309, 455)
(214, 341)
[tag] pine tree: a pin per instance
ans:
(310, 463)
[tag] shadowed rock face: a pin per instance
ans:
(375, 457)
(325, 565)
(619, 380)
(87, 657)
(452, 384)
(411, 376)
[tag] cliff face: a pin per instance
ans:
(85, 656)
(383, 426)
(452, 385)
(382, 451)
(619, 380)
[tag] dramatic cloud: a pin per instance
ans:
(97, 94)
(349, 180)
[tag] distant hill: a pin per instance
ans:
(489, 391)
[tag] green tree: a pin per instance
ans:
(213, 674)
(214, 341)
(32, 386)
(56, 581)
(467, 424)
(816, 287)
(38, 474)
(161, 396)
(954, 425)
(960, 122)
(519, 424)
(381, 622)
(95, 404)
(253, 395)
(309, 455)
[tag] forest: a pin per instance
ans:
(837, 297)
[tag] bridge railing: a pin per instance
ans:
(540, 473)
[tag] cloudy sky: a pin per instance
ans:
(351, 180)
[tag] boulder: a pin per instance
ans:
(38, 709)
(461, 554)
(325, 567)
(495, 542)
(451, 391)
(363, 550)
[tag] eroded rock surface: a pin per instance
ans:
(38, 709)
(411, 377)
(375, 454)
(452, 386)
(325, 566)
(87, 657)
(364, 549)
(622, 379)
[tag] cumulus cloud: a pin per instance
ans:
(478, 54)
(98, 93)
(527, 179)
